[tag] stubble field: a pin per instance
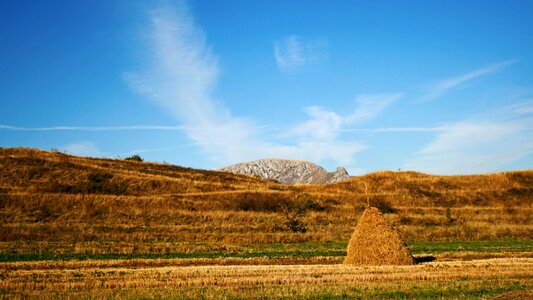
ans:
(117, 279)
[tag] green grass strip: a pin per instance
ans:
(304, 250)
(471, 246)
(14, 257)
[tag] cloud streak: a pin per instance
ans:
(369, 106)
(319, 126)
(525, 107)
(293, 53)
(474, 146)
(324, 124)
(442, 87)
(95, 128)
(395, 129)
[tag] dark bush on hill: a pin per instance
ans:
(135, 157)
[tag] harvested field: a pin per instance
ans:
(470, 279)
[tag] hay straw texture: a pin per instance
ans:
(375, 242)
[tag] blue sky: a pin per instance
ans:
(440, 87)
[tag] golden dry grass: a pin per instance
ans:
(51, 202)
(266, 281)
(516, 295)
(374, 242)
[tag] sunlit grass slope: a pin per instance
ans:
(51, 202)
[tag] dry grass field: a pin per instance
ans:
(83, 227)
(118, 280)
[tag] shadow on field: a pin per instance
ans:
(424, 259)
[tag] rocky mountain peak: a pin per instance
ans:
(340, 174)
(288, 171)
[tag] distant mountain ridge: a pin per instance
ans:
(288, 171)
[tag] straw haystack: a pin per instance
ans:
(375, 242)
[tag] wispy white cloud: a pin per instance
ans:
(369, 106)
(487, 142)
(441, 87)
(525, 107)
(183, 70)
(182, 75)
(83, 149)
(475, 146)
(458, 136)
(320, 134)
(181, 78)
(327, 125)
(95, 128)
(293, 52)
(322, 124)
(395, 129)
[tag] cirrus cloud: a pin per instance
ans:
(182, 75)
(294, 52)
(443, 86)
(466, 147)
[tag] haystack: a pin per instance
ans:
(375, 242)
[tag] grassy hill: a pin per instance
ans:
(55, 203)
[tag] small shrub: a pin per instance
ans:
(517, 192)
(35, 172)
(258, 202)
(294, 223)
(449, 217)
(308, 203)
(330, 201)
(56, 187)
(99, 183)
(155, 184)
(135, 157)
(97, 178)
(274, 203)
(44, 214)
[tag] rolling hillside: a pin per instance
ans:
(51, 202)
